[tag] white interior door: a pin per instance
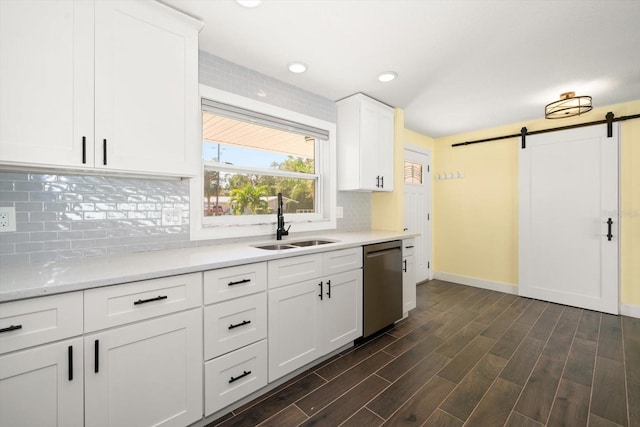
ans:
(417, 207)
(568, 187)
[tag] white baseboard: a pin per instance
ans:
(625, 309)
(630, 310)
(478, 283)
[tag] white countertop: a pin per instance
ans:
(35, 280)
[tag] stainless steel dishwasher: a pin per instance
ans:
(382, 303)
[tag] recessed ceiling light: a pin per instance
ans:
(387, 76)
(249, 3)
(297, 67)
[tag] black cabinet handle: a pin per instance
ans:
(104, 152)
(244, 374)
(404, 265)
(84, 149)
(382, 182)
(96, 357)
(408, 247)
(320, 294)
(70, 354)
(10, 328)
(237, 325)
(239, 282)
(378, 181)
(144, 301)
(609, 224)
(329, 288)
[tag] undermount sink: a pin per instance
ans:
(275, 247)
(311, 243)
(293, 245)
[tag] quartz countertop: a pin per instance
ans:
(28, 281)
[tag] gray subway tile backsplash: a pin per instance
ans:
(64, 216)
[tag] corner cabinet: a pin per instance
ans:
(365, 144)
(99, 86)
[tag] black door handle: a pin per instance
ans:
(329, 288)
(609, 224)
(84, 149)
(382, 182)
(10, 328)
(96, 357)
(70, 354)
(237, 325)
(320, 294)
(104, 152)
(378, 181)
(144, 301)
(242, 375)
(404, 265)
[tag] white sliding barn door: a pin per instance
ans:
(568, 189)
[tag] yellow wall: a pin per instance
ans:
(388, 208)
(476, 218)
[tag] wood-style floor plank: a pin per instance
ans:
(494, 409)
(289, 416)
(461, 339)
(580, 363)
(462, 363)
(472, 388)
(519, 420)
(401, 390)
(442, 419)
(562, 335)
(507, 344)
(589, 326)
(322, 396)
(343, 407)
(363, 417)
(610, 338)
(523, 360)
(422, 404)
(401, 364)
(537, 396)
(609, 397)
(571, 406)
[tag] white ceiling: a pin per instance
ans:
(462, 65)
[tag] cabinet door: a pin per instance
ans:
(146, 374)
(385, 149)
(146, 71)
(369, 147)
(46, 82)
(42, 386)
(341, 310)
(408, 284)
(294, 338)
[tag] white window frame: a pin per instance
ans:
(264, 225)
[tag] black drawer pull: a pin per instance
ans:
(237, 325)
(609, 224)
(144, 301)
(244, 374)
(11, 328)
(104, 152)
(84, 150)
(404, 265)
(329, 288)
(70, 353)
(320, 294)
(408, 247)
(96, 358)
(239, 282)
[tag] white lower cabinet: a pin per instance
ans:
(42, 386)
(408, 276)
(145, 374)
(235, 375)
(312, 318)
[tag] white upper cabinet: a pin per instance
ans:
(365, 144)
(139, 58)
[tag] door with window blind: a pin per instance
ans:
(568, 212)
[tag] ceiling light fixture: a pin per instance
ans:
(249, 3)
(568, 105)
(297, 67)
(387, 76)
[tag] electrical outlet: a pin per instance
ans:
(171, 216)
(7, 219)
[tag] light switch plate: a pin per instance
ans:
(171, 216)
(7, 219)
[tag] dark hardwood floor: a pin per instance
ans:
(472, 357)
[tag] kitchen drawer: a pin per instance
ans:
(233, 376)
(37, 321)
(116, 305)
(233, 324)
(233, 282)
(286, 271)
(342, 260)
(408, 247)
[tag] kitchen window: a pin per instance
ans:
(250, 152)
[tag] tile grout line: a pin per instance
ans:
(595, 365)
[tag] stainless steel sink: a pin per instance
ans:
(275, 247)
(293, 245)
(304, 243)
